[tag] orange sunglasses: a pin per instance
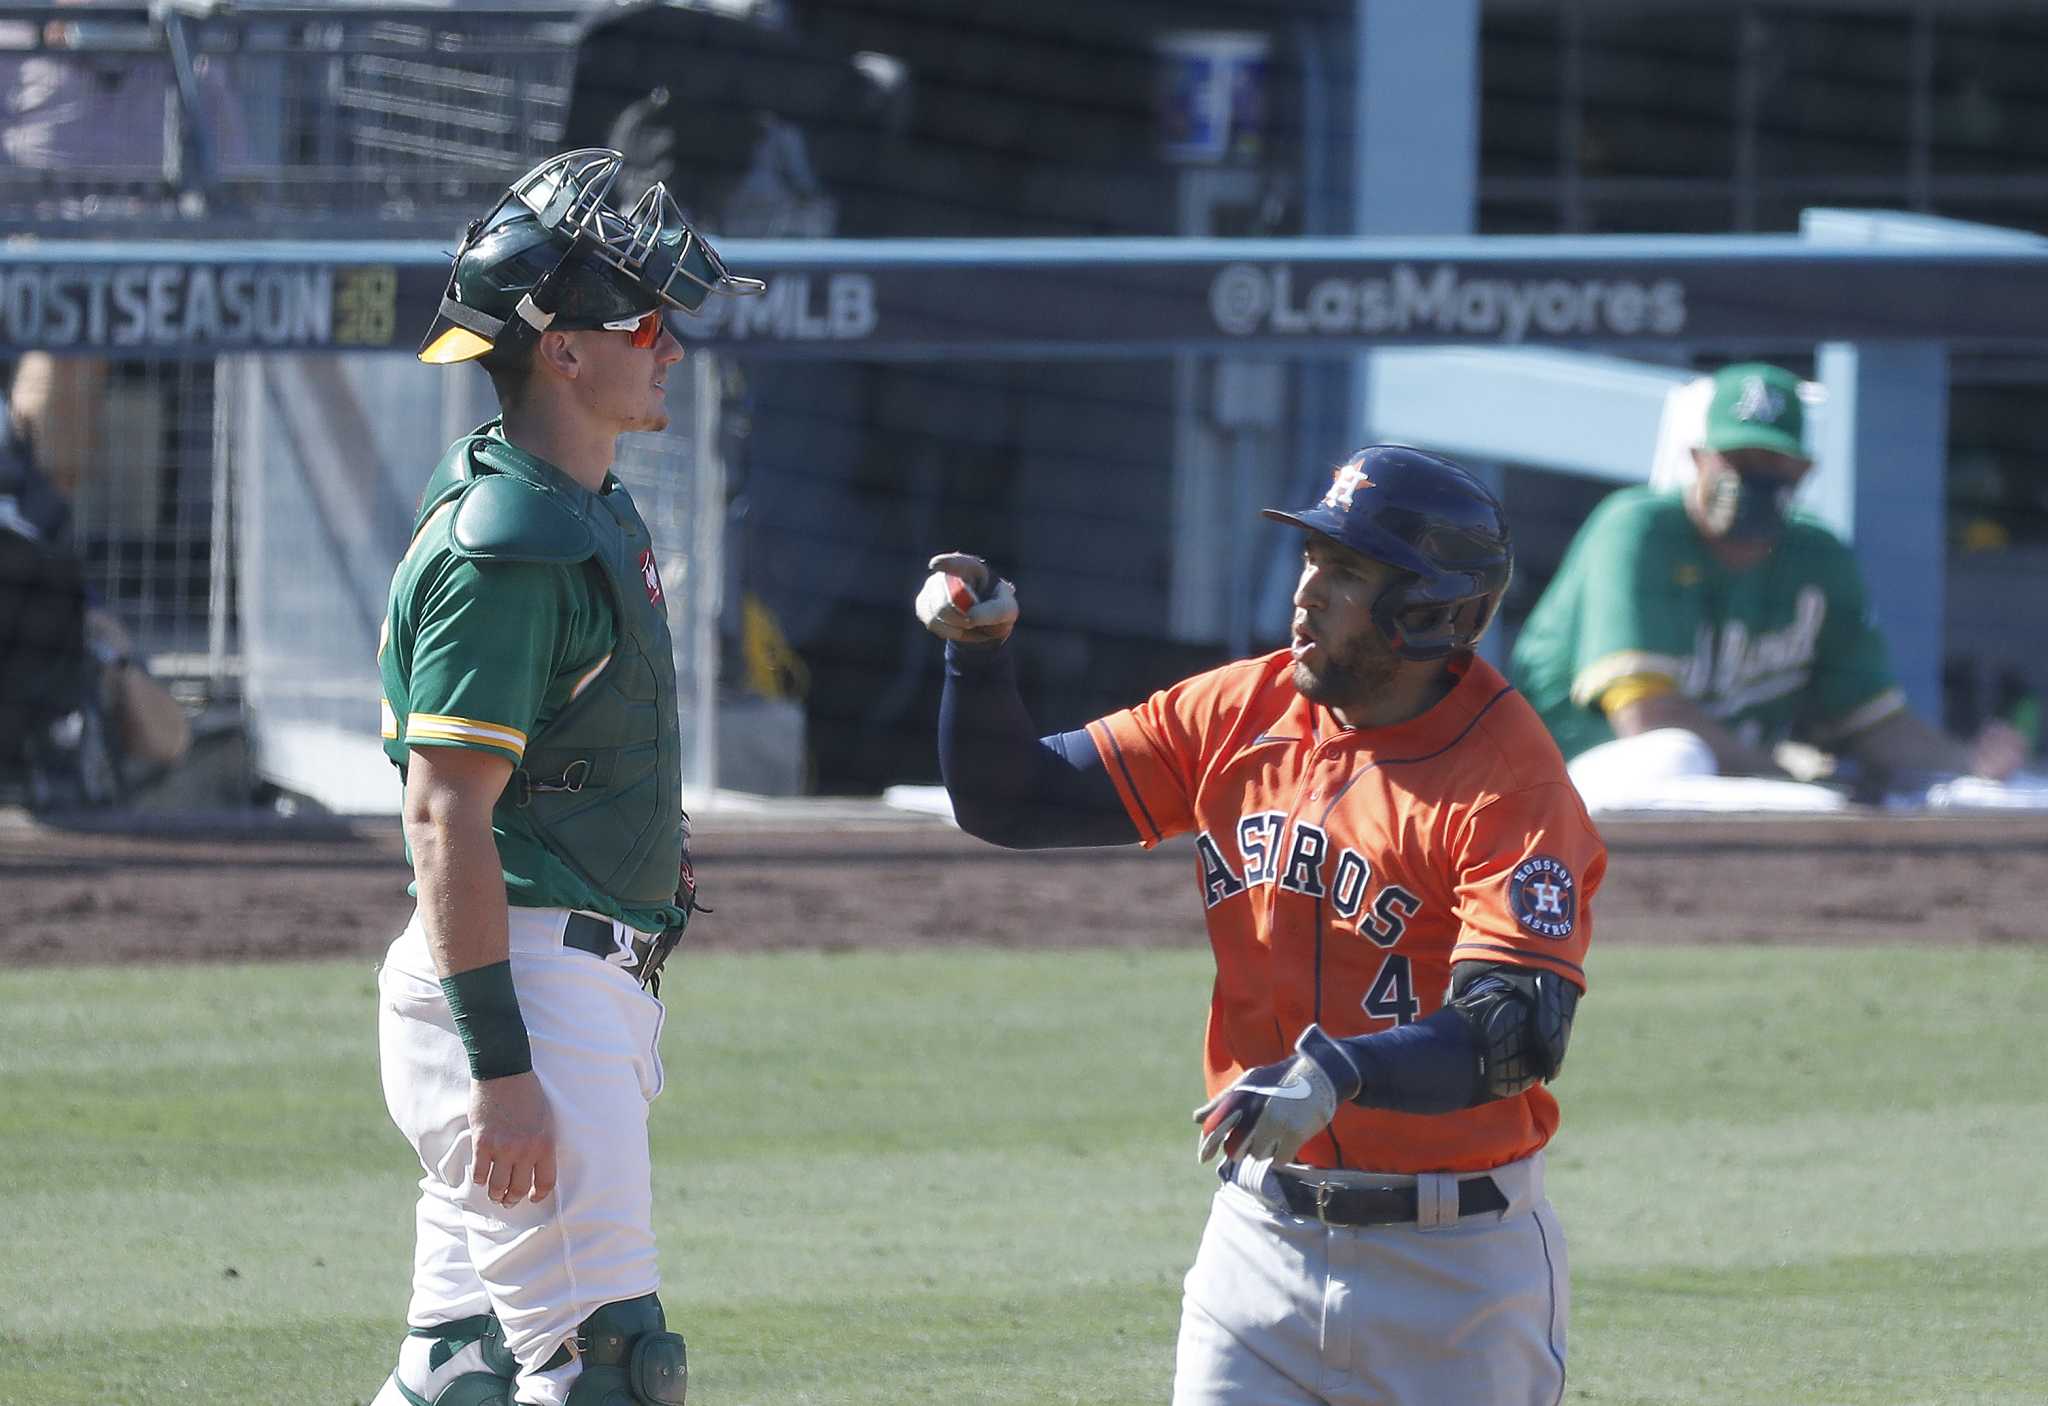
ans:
(645, 330)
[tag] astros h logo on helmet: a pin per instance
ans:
(1347, 480)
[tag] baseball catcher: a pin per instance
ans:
(530, 705)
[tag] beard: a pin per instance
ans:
(1363, 667)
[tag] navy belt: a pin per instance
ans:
(596, 936)
(1335, 1204)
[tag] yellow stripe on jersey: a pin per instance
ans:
(437, 727)
(1596, 678)
(588, 678)
(387, 718)
(1634, 689)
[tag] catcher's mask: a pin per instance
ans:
(553, 255)
(1437, 525)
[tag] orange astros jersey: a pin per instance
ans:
(1344, 870)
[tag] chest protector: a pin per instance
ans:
(601, 783)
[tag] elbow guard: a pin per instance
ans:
(1521, 1020)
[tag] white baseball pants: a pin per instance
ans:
(1281, 1311)
(542, 1268)
(1669, 768)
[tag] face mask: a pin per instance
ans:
(1747, 507)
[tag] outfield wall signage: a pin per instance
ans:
(1440, 300)
(1028, 299)
(189, 307)
(818, 308)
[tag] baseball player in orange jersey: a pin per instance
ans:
(1397, 878)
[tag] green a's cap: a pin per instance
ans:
(1756, 406)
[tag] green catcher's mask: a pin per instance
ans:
(552, 255)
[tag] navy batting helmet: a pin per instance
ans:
(1430, 519)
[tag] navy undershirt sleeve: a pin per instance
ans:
(1010, 786)
(1428, 1066)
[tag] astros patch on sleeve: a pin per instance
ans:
(1523, 896)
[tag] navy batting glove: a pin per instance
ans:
(1272, 1110)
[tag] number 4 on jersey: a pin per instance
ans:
(1392, 993)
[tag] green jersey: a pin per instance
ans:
(1785, 650)
(487, 654)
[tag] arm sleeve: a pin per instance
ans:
(1504, 1028)
(1639, 615)
(1427, 1066)
(1853, 685)
(1008, 786)
(485, 645)
(1528, 864)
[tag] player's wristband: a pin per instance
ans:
(1333, 1057)
(486, 1011)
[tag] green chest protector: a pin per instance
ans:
(601, 782)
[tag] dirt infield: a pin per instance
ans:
(253, 887)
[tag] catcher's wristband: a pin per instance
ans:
(486, 1011)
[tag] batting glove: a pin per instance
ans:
(1273, 1109)
(962, 600)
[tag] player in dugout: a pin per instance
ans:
(1397, 879)
(1691, 634)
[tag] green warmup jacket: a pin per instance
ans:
(1784, 650)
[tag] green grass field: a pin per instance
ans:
(1789, 1177)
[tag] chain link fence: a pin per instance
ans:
(304, 119)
